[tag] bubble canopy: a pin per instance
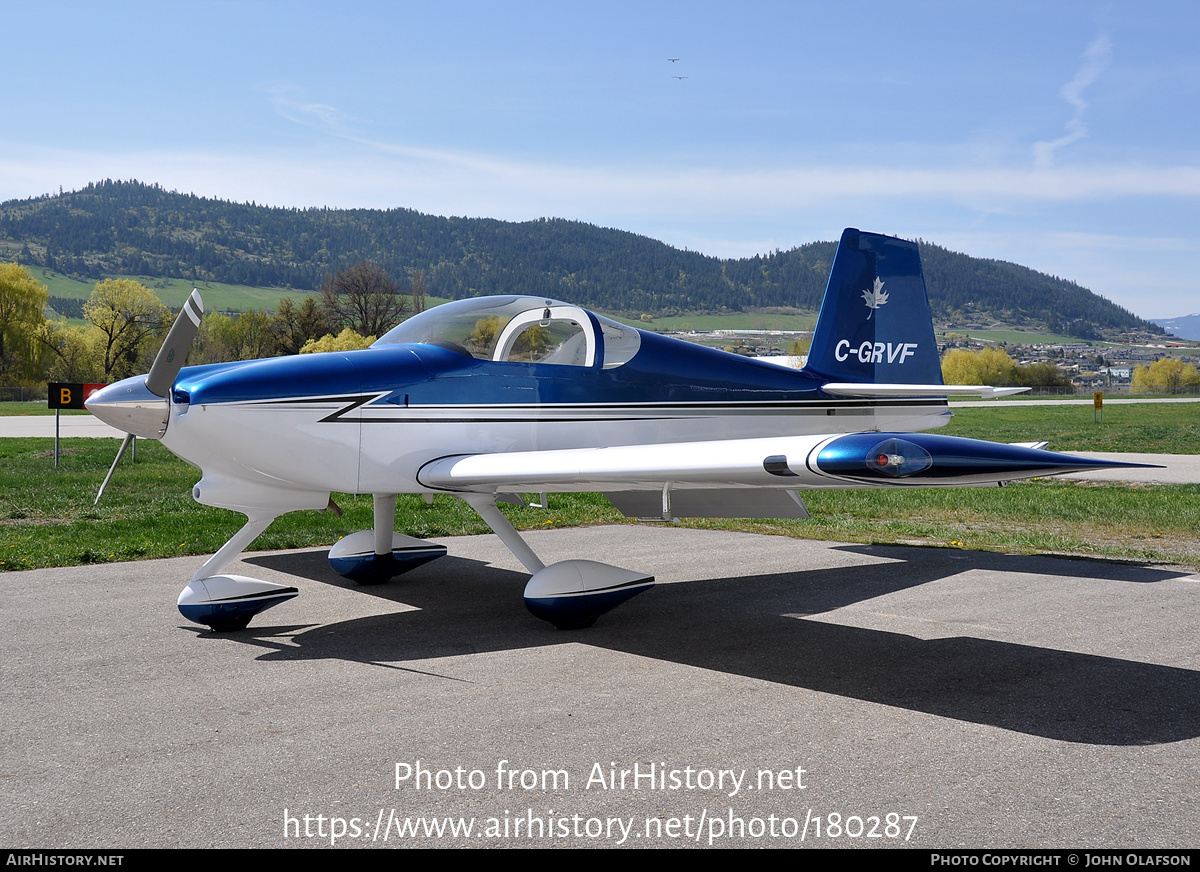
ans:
(520, 329)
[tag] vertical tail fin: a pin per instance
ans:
(875, 324)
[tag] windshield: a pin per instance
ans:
(468, 326)
(519, 329)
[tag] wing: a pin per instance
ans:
(749, 477)
(728, 463)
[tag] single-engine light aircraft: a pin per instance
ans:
(490, 397)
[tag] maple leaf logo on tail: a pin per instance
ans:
(876, 298)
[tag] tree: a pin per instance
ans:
(211, 344)
(72, 352)
(1165, 375)
(1037, 375)
(347, 340)
(991, 366)
(364, 298)
(481, 341)
(418, 289)
(800, 346)
(21, 302)
(294, 325)
(247, 336)
(130, 317)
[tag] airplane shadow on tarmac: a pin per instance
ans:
(754, 626)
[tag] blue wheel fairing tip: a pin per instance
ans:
(235, 613)
(578, 610)
(376, 568)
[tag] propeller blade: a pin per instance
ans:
(162, 375)
(120, 453)
(174, 350)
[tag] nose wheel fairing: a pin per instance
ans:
(228, 602)
(355, 556)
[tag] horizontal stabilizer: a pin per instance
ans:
(856, 389)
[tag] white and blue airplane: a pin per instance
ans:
(490, 397)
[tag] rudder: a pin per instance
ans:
(875, 324)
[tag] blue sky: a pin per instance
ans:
(1061, 135)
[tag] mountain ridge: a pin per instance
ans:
(131, 228)
(1185, 326)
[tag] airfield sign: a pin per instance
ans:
(67, 395)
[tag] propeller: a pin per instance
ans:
(125, 404)
(171, 356)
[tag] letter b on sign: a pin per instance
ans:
(70, 395)
(65, 395)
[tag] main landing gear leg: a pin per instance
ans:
(570, 594)
(228, 602)
(377, 555)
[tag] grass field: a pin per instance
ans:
(1147, 523)
(1021, 337)
(47, 517)
(1015, 337)
(218, 296)
(1158, 428)
(35, 408)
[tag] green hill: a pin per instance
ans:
(129, 228)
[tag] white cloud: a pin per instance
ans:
(722, 211)
(320, 116)
(448, 182)
(1095, 61)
